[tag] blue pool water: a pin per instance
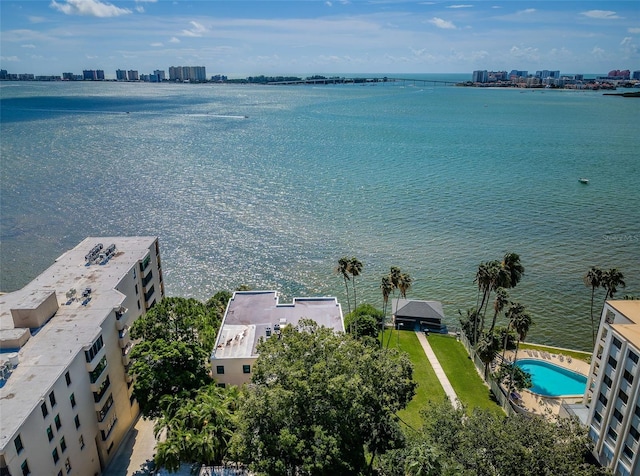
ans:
(552, 380)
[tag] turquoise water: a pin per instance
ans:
(552, 380)
(430, 178)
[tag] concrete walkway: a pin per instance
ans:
(433, 360)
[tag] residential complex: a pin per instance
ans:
(255, 315)
(66, 398)
(613, 395)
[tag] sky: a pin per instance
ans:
(241, 38)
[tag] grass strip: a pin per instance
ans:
(462, 374)
(575, 354)
(429, 388)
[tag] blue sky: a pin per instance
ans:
(241, 38)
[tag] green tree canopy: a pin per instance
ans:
(166, 368)
(452, 442)
(319, 402)
(367, 319)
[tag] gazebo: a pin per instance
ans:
(424, 316)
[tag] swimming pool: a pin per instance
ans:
(551, 380)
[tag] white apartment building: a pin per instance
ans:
(255, 315)
(65, 398)
(612, 394)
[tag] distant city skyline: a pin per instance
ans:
(243, 38)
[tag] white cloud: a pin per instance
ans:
(601, 14)
(93, 8)
(28, 46)
(140, 9)
(196, 30)
(460, 6)
(597, 52)
(174, 40)
(529, 53)
(9, 58)
(633, 30)
(329, 4)
(629, 47)
(156, 44)
(527, 11)
(444, 24)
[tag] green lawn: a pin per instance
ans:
(429, 388)
(576, 354)
(462, 374)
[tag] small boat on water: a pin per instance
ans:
(583, 180)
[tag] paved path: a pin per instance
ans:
(433, 360)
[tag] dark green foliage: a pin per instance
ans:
(319, 402)
(513, 377)
(482, 444)
(166, 368)
(196, 429)
(366, 318)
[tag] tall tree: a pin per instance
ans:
(502, 299)
(512, 270)
(387, 288)
(487, 349)
(611, 279)
(196, 429)
(342, 269)
(321, 403)
(355, 268)
(593, 280)
(520, 321)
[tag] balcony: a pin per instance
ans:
(147, 279)
(121, 318)
(96, 374)
(124, 337)
(126, 350)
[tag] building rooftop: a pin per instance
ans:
(631, 310)
(70, 324)
(418, 309)
(252, 315)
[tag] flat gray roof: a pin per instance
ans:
(251, 315)
(47, 354)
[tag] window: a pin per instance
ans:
(105, 408)
(246, 369)
(597, 417)
(627, 376)
(628, 452)
(634, 357)
(72, 399)
(93, 351)
(634, 433)
(97, 372)
(60, 473)
(77, 421)
(81, 442)
(52, 399)
(617, 415)
(136, 289)
(616, 343)
(67, 465)
(45, 410)
(623, 396)
(97, 396)
(56, 456)
(612, 362)
(57, 421)
(220, 369)
(602, 399)
(25, 468)
(138, 304)
(63, 445)
(637, 412)
(49, 433)
(67, 377)
(607, 381)
(18, 443)
(612, 434)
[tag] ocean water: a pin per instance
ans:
(269, 185)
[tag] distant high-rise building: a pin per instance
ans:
(68, 76)
(515, 73)
(636, 75)
(100, 75)
(187, 73)
(619, 74)
(160, 74)
(480, 76)
(132, 75)
(89, 75)
(121, 75)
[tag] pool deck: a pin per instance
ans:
(549, 405)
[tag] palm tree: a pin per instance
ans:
(355, 267)
(487, 278)
(520, 321)
(611, 280)
(502, 299)
(512, 270)
(343, 269)
(593, 280)
(387, 288)
(487, 349)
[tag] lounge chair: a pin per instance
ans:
(569, 359)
